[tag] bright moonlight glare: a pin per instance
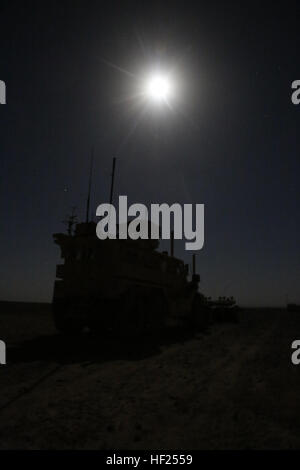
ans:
(158, 88)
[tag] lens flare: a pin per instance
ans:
(158, 88)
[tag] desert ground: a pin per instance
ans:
(230, 387)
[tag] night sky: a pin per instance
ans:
(230, 141)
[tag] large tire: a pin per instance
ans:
(66, 317)
(130, 319)
(142, 311)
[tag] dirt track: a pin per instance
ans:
(233, 387)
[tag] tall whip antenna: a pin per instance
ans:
(90, 187)
(112, 180)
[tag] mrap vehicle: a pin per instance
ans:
(126, 287)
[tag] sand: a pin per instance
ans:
(232, 387)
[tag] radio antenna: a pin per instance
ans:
(71, 221)
(90, 187)
(112, 181)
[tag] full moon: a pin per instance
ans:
(158, 88)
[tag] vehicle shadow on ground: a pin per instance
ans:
(94, 349)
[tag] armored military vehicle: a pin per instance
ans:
(224, 309)
(126, 287)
